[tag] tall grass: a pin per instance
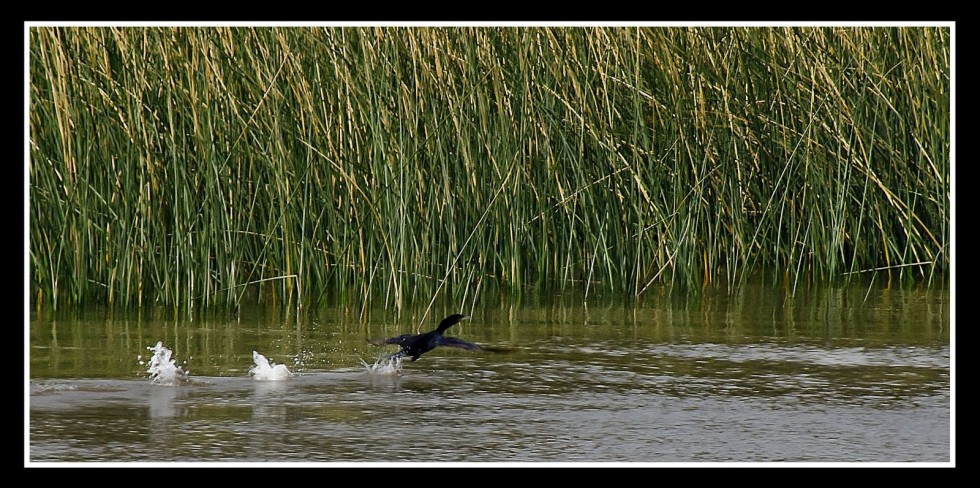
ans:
(207, 166)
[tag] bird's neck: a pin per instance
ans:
(442, 328)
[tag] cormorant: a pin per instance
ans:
(415, 345)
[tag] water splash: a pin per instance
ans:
(264, 371)
(163, 369)
(390, 364)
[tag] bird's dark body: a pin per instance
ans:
(415, 345)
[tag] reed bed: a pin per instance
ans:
(207, 166)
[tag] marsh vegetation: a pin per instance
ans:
(214, 165)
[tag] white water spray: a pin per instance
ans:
(391, 364)
(164, 370)
(264, 371)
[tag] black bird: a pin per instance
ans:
(415, 345)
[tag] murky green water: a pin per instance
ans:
(846, 375)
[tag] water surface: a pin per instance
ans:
(836, 376)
